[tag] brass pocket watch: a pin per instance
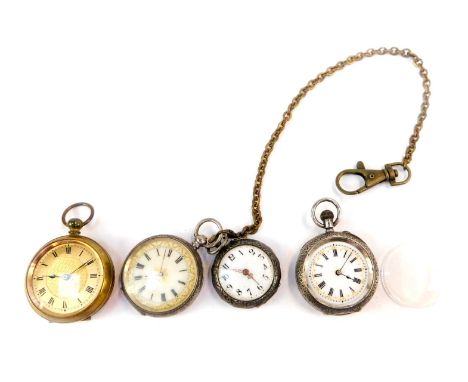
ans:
(163, 274)
(71, 277)
(336, 271)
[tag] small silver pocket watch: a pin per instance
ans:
(336, 271)
(245, 273)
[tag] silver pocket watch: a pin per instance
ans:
(336, 271)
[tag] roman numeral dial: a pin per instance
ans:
(68, 278)
(161, 275)
(336, 274)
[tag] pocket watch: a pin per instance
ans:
(71, 277)
(336, 271)
(162, 275)
(245, 273)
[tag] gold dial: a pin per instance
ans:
(161, 275)
(69, 279)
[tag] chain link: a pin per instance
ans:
(406, 53)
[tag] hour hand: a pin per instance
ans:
(237, 270)
(52, 276)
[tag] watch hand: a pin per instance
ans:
(81, 266)
(162, 262)
(247, 273)
(52, 276)
(339, 271)
(251, 276)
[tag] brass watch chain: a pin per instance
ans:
(371, 177)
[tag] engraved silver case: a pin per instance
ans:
(350, 239)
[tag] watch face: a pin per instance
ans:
(246, 273)
(161, 275)
(69, 279)
(337, 272)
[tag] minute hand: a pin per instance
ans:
(344, 263)
(81, 266)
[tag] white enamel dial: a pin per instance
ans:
(161, 275)
(337, 274)
(246, 273)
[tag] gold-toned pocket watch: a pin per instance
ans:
(336, 271)
(162, 275)
(71, 277)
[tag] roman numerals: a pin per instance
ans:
(51, 301)
(179, 259)
(225, 266)
(325, 256)
(93, 275)
(356, 280)
(41, 292)
(322, 285)
(140, 266)
(64, 305)
(89, 289)
(330, 292)
(169, 252)
(54, 253)
(231, 257)
(68, 249)
(147, 257)
(335, 252)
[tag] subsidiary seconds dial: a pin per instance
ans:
(246, 273)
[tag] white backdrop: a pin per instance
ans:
(157, 115)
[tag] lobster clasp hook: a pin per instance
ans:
(373, 177)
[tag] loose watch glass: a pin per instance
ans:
(69, 279)
(162, 275)
(246, 273)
